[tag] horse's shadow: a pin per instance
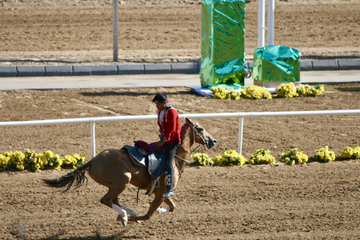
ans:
(349, 89)
(97, 236)
(115, 237)
(93, 238)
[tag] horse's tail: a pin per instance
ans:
(77, 176)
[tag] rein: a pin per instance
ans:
(181, 170)
(198, 147)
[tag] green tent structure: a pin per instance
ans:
(222, 43)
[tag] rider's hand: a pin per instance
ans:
(159, 144)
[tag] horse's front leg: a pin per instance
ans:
(171, 205)
(154, 205)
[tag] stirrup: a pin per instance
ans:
(168, 194)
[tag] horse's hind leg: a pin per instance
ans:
(129, 211)
(109, 200)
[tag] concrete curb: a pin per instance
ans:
(159, 68)
(185, 68)
(325, 65)
(30, 71)
(153, 68)
(81, 70)
(104, 70)
(65, 70)
(131, 69)
(8, 71)
(349, 64)
(306, 65)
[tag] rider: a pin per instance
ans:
(170, 128)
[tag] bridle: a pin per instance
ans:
(200, 135)
(195, 132)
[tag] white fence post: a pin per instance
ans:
(261, 23)
(271, 22)
(240, 137)
(93, 145)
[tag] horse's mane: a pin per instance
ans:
(183, 132)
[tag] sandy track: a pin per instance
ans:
(315, 201)
(55, 33)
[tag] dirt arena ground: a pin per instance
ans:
(58, 32)
(314, 201)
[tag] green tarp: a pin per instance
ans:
(276, 63)
(222, 43)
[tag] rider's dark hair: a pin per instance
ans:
(160, 97)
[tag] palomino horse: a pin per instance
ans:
(114, 169)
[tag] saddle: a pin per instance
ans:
(143, 155)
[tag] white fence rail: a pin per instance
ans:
(240, 115)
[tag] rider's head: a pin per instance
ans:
(160, 97)
(160, 100)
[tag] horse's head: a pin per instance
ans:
(201, 135)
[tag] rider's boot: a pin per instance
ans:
(169, 182)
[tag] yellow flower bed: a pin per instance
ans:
(250, 92)
(307, 90)
(255, 92)
(294, 156)
(323, 154)
(229, 158)
(288, 90)
(203, 159)
(38, 161)
(262, 156)
(221, 93)
(350, 152)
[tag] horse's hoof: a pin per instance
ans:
(133, 214)
(123, 219)
(163, 210)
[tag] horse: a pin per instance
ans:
(114, 169)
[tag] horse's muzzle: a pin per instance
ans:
(210, 143)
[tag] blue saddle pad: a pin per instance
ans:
(155, 162)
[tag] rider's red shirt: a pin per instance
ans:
(170, 127)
